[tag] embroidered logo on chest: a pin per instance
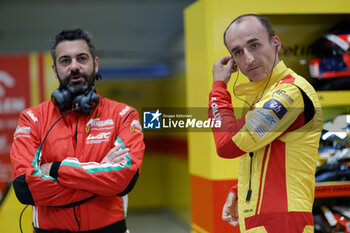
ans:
(97, 124)
(98, 138)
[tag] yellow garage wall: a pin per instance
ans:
(200, 55)
(163, 183)
(146, 92)
(10, 211)
(164, 179)
(178, 187)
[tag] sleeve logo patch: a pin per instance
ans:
(257, 127)
(136, 126)
(284, 95)
(276, 107)
(125, 110)
(31, 114)
(22, 131)
(266, 118)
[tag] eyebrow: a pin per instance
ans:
(78, 55)
(248, 42)
(82, 54)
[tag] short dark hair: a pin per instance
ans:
(265, 22)
(72, 34)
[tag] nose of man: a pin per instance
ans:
(249, 58)
(74, 66)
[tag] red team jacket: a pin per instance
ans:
(81, 193)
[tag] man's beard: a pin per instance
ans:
(78, 88)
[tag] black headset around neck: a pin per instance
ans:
(83, 103)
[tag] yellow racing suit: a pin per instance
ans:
(276, 142)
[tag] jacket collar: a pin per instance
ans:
(254, 90)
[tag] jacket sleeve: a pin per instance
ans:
(30, 185)
(108, 178)
(279, 111)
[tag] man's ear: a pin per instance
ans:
(276, 41)
(54, 70)
(96, 64)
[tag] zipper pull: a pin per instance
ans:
(249, 193)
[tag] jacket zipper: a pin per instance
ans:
(75, 145)
(76, 132)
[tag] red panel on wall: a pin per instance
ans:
(208, 198)
(14, 97)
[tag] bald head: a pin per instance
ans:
(252, 47)
(262, 19)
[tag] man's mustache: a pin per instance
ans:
(77, 73)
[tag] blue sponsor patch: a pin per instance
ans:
(276, 107)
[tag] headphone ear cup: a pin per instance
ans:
(86, 102)
(62, 98)
(94, 100)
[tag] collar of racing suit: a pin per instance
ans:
(253, 90)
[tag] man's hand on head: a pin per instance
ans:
(223, 68)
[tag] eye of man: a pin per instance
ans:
(64, 61)
(254, 45)
(238, 52)
(83, 58)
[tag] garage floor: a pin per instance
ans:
(161, 221)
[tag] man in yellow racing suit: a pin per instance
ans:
(277, 138)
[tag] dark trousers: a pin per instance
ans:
(118, 227)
